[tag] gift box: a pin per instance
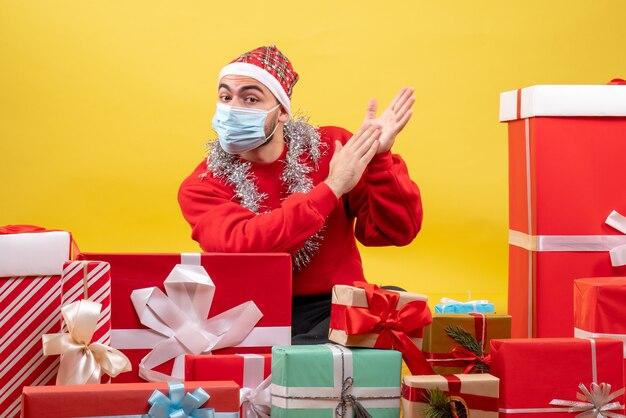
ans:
(247, 370)
(599, 309)
(90, 280)
(450, 306)
(83, 360)
(31, 263)
(129, 400)
(474, 395)
(28, 250)
(544, 376)
(459, 343)
(153, 294)
(367, 316)
(250, 371)
(318, 380)
(566, 147)
(447, 354)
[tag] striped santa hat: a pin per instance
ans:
(269, 66)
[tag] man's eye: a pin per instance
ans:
(224, 98)
(252, 99)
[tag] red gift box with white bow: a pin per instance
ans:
(165, 306)
(545, 377)
(566, 179)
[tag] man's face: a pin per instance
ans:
(239, 91)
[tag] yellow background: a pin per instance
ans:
(105, 107)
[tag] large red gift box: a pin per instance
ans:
(566, 175)
(599, 309)
(123, 399)
(31, 263)
(534, 372)
(264, 279)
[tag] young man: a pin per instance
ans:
(272, 183)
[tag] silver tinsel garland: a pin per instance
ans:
(303, 146)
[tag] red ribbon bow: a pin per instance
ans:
(394, 327)
(464, 354)
(19, 229)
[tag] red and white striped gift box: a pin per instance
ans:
(29, 307)
(89, 280)
(31, 262)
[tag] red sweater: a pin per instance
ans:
(385, 203)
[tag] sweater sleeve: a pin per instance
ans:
(220, 224)
(386, 203)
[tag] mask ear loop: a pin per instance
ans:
(276, 125)
(270, 135)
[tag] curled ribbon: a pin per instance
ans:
(179, 404)
(595, 402)
(181, 317)
(82, 362)
(463, 354)
(394, 327)
(257, 402)
(348, 399)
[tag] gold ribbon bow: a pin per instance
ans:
(82, 362)
(595, 402)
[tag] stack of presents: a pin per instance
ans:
(208, 335)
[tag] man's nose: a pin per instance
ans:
(237, 101)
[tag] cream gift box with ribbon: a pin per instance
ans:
(566, 176)
(334, 381)
(541, 377)
(474, 395)
(31, 264)
(167, 305)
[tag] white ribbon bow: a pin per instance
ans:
(618, 254)
(257, 402)
(181, 316)
(594, 403)
(82, 362)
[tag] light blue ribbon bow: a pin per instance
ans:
(178, 405)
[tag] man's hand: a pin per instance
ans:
(349, 161)
(393, 119)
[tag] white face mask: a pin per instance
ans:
(240, 129)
